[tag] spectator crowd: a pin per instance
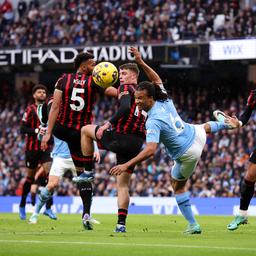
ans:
(38, 23)
(218, 173)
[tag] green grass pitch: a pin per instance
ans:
(147, 235)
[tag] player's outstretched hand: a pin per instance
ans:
(136, 54)
(44, 141)
(233, 122)
(102, 128)
(118, 169)
(42, 130)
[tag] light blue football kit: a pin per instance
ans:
(60, 149)
(62, 160)
(165, 125)
(184, 143)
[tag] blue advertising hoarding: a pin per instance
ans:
(138, 205)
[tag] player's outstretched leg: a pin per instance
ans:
(185, 208)
(224, 121)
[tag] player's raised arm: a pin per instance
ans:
(57, 97)
(151, 74)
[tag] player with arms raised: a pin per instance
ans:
(124, 133)
(184, 143)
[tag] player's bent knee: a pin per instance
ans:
(178, 185)
(84, 130)
(251, 173)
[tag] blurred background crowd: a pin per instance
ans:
(218, 173)
(86, 22)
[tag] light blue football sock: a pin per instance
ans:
(44, 196)
(218, 126)
(185, 207)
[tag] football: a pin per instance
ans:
(105, 74)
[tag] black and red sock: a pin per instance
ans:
(88, 163)
(122, 214)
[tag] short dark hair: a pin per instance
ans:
(152, 90)
(39, 87)
(81, 57)
(131, 66)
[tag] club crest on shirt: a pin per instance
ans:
(151, 131)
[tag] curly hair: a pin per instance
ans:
(81, 57)
(152, 90)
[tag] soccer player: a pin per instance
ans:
(71, 109)
(124, 133)
(33, 155)
(248, 183)
(62, 162)
(184, 143)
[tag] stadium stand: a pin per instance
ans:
(79, 22)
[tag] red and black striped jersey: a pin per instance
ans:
(78, 98)
(31, 120)
(134, 121)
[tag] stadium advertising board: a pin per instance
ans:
(138, 205)
(232, 49)
(66, 55)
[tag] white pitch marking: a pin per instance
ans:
(131, 244)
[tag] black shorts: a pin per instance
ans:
(126, 146)
(252, 158)
(73, 139)
(42, 181)
(33, 158)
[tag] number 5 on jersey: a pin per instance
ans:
(77, 99)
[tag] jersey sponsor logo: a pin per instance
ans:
(121, 94)
(78, 81)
